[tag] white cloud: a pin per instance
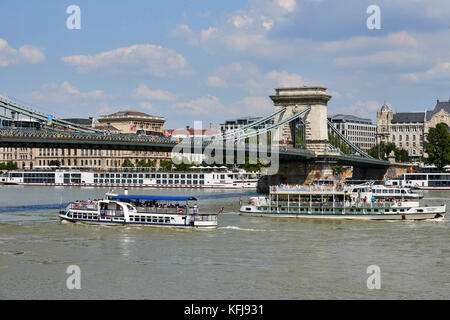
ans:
(391, 59)
(363, 109)
(288, 5)
(203, 105)
(146, 105)
(25, 54)
(216, 81)
(252, 105)
(440, 71)
(286, 79)
(243, 31)
(246, 75)
(143, 92)
(65, 92)
(137, 59)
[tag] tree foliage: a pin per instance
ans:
(437, 146)
(8, 166)
(383, 150)
(127, 163)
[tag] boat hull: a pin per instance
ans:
(434, 213)
(122, 222)
(398, 217)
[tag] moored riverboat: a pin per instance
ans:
(356, 202)
(140, 210)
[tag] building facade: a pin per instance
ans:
(134, 122)
(408, 130)
(361, 132)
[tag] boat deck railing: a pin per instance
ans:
(308, 189)
(176, 210)
(85, 207)
(330, 204)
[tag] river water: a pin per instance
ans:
(245, 258)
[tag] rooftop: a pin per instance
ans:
(129, 114)
(440, 105)
(349, 118)
(411, 117)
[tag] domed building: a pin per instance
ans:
(408, 130)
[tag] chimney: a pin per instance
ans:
(210, 125)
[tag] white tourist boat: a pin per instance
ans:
(424, 181)
(218, 179)
(337, 202)
(140, 210)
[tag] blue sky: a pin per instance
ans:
(215, 60)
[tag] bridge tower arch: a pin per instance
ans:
(315, 122)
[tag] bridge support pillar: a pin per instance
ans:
(295, 172)
(315, 135)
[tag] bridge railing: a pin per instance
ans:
(53, 134)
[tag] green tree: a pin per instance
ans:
(145, 163)
(166, 165)
(437, 146)
(127, 163)
(8, 166)
(383, 150)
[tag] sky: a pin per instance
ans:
(209, 61)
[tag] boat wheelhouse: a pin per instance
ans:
(337, 202)
(142, 210)
(394, 192)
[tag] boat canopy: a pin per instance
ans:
(145, 197)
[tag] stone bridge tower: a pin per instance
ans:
(316, 127)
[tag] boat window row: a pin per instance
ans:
(427, 177)
(438, 183)
(88, 216)
(150, 219)
(135, 181)
(39, 180)
(38, 175)
(150, 176)
(389, 191)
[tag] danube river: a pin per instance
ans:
(245, 258)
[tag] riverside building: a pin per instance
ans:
(408, 130)
(361, 132)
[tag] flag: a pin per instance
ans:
(49, 120)
(131, 125)
(240, 200)
(221, 210)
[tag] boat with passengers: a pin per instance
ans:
(338, 201)
(140, 210)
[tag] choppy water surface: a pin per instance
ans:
(245, 258)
